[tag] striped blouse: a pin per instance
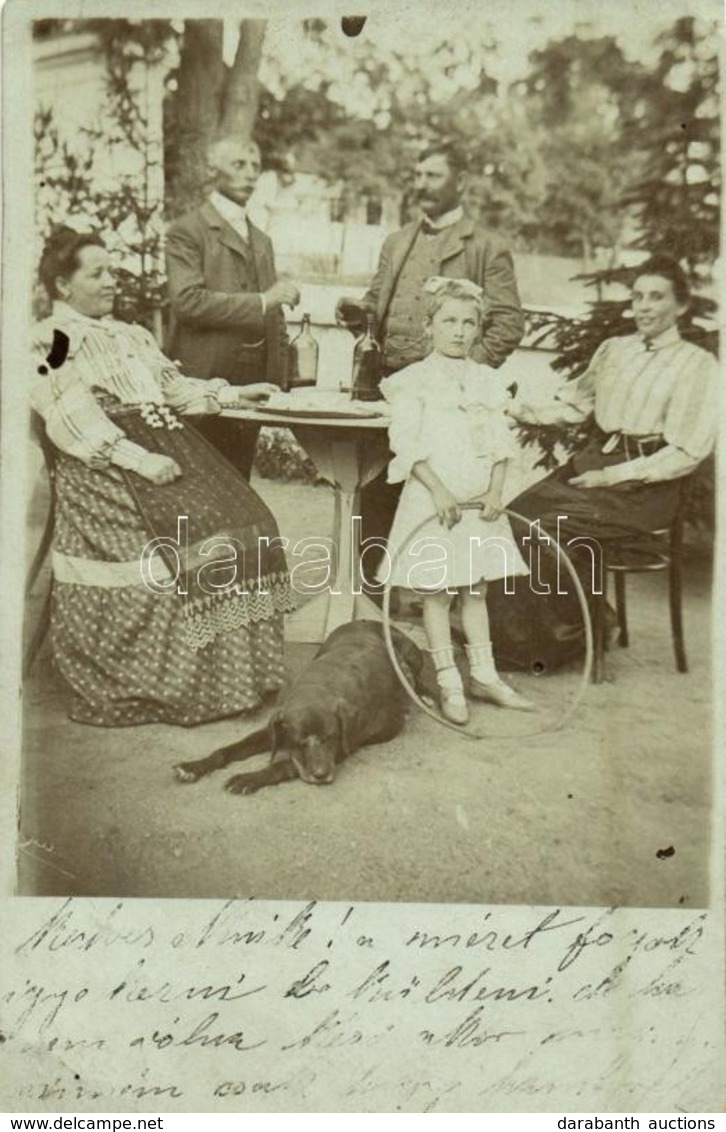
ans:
(115, 358)
(667, 389)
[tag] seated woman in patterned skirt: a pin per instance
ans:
(183, 629)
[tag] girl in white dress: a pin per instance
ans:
(451, 442)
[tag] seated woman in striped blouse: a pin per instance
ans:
(169, 584)
(653, 400)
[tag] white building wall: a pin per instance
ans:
(70, 82)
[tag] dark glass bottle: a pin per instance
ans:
(366, 366)
(303, 357)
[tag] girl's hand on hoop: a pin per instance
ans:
(447, 508)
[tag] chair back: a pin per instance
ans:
(37, 431)
(685, 490)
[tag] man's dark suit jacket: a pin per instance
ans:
(469, 253)
(215, 301)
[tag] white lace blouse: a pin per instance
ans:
(447, 410)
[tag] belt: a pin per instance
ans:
(632, 446)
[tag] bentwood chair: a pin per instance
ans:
(663, 551)
(40, 628)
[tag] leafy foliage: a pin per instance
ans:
(673, 127)
(676, 127)
(88, 186)
(589, 145)
(278, 456)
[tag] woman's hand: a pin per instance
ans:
(159, 469)
(594, 478)
(258, 391)
(521, 410)
(491, 505)
(206, 406)
(447, 508)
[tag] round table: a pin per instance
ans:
(348, 452)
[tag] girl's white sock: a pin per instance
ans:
(450, 680)
(481, 663)
(447, 674)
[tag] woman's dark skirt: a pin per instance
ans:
(544, 630)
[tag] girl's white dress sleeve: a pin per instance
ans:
(406, 435)
(487, 402)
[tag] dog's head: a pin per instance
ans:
(314, 739)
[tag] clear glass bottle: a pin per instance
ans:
(366, 366)
(303, 358)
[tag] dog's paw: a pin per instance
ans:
(242, 784)
(185, 773)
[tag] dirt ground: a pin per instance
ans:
(571, 816)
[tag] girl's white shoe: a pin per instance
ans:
(453, 706)
(451, 694)
(498, 692)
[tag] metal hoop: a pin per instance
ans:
(587, 666)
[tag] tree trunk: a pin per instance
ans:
(587, 252)
(193, 113)
(242, 89)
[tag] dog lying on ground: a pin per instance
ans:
(348, 697)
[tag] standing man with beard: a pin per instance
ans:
(226, 302)
(444, 241)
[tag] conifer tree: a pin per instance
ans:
(673, 206)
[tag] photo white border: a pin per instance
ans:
(17, 273)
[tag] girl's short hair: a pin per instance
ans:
(61, 253)
(437, 289)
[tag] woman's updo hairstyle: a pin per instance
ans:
(667, 267)
(60, 256)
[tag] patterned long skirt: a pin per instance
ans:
(135, 648)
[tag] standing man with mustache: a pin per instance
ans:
(226, 301)
(443, 242)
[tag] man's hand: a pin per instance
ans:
(447, 508)
(491, 506)
(159, 469)
(281, 292)
(594, 478)
(350, 314)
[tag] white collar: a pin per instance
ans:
(667, 337)
(445, 220)
(64, 312)
(444, 362)
(235, 214)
